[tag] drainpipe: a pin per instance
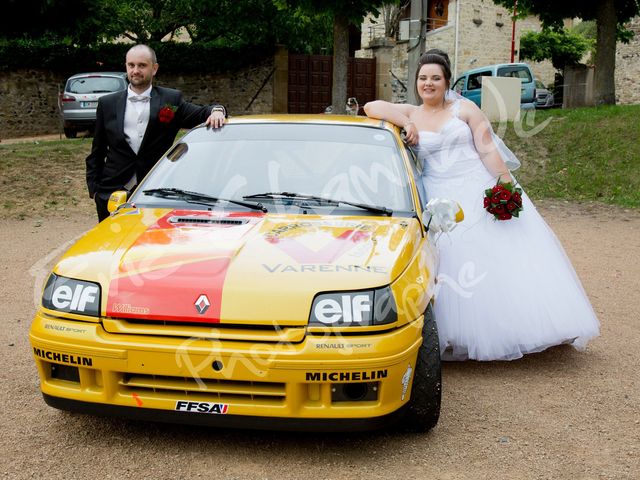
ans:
(455, 48)
(513, 30)
(416, 46)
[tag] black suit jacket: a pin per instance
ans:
(112, 163)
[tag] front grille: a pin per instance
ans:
(214, 331)
(223, 391)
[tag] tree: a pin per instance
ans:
(560, 46)
(145, 21)
(609, 16)
(259, 22)
(223, 23)
(391, 16)
(66, 21)
(343, 12)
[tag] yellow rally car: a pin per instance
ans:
(276, 273)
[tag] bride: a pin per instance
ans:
(505, 288)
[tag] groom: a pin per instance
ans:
(135, 127)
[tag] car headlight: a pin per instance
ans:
(72, 296)
(354, 309)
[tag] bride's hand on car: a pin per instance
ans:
(410, 133)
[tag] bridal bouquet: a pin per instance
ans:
(503, 201)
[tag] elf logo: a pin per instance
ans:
(202, 407)
(74, 299)
(343, 309)
(70, 295)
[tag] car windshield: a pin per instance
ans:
(287, 164)
(95, 85)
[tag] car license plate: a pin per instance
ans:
(88, 104)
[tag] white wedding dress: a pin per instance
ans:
(505, 288)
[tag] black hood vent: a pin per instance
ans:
(195, 219)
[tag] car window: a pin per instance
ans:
(475, 80)
(95, 85)
(416, 167)
(539, 84)
(354, 163)
(459, 85)
(522, 73)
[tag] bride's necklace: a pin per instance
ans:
(433, 109)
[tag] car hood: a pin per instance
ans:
(240, 268)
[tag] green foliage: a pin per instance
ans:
(582, 154)
(610, 16)
(353, 10)
(562, 47)
(68, 21)
(259, 22)
(174, 57)
(223, 23)
(144, 21)
(589, 30)
(552, 12)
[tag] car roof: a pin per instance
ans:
(318, 118)
(496, 66)
(99, 74)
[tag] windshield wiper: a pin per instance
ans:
(321, 200)
(199, 198)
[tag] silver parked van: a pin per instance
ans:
(469, 84)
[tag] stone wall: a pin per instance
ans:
(400, 68)
(484, 38)
(628, 67)
(29, 103)
(29, 98)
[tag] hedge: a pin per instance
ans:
(173, 57)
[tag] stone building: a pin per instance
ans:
(475, 33)
(628, 67)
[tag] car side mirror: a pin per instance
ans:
(442, 215)
(116, 199)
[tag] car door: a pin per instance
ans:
(474, 86)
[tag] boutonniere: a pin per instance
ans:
(166, 113)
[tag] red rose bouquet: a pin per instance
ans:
(503, 201)
(166, 113)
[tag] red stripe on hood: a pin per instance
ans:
(161, 278)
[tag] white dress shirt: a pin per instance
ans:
(136, 119)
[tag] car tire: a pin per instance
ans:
(70, 132)
(423, 410)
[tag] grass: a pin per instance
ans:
(582, 154)
(588, 154)
(41, 178)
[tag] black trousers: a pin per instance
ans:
(102, 200)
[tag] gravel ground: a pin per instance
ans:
(559, 414)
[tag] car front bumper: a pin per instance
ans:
(322, 383)
(544, 102)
